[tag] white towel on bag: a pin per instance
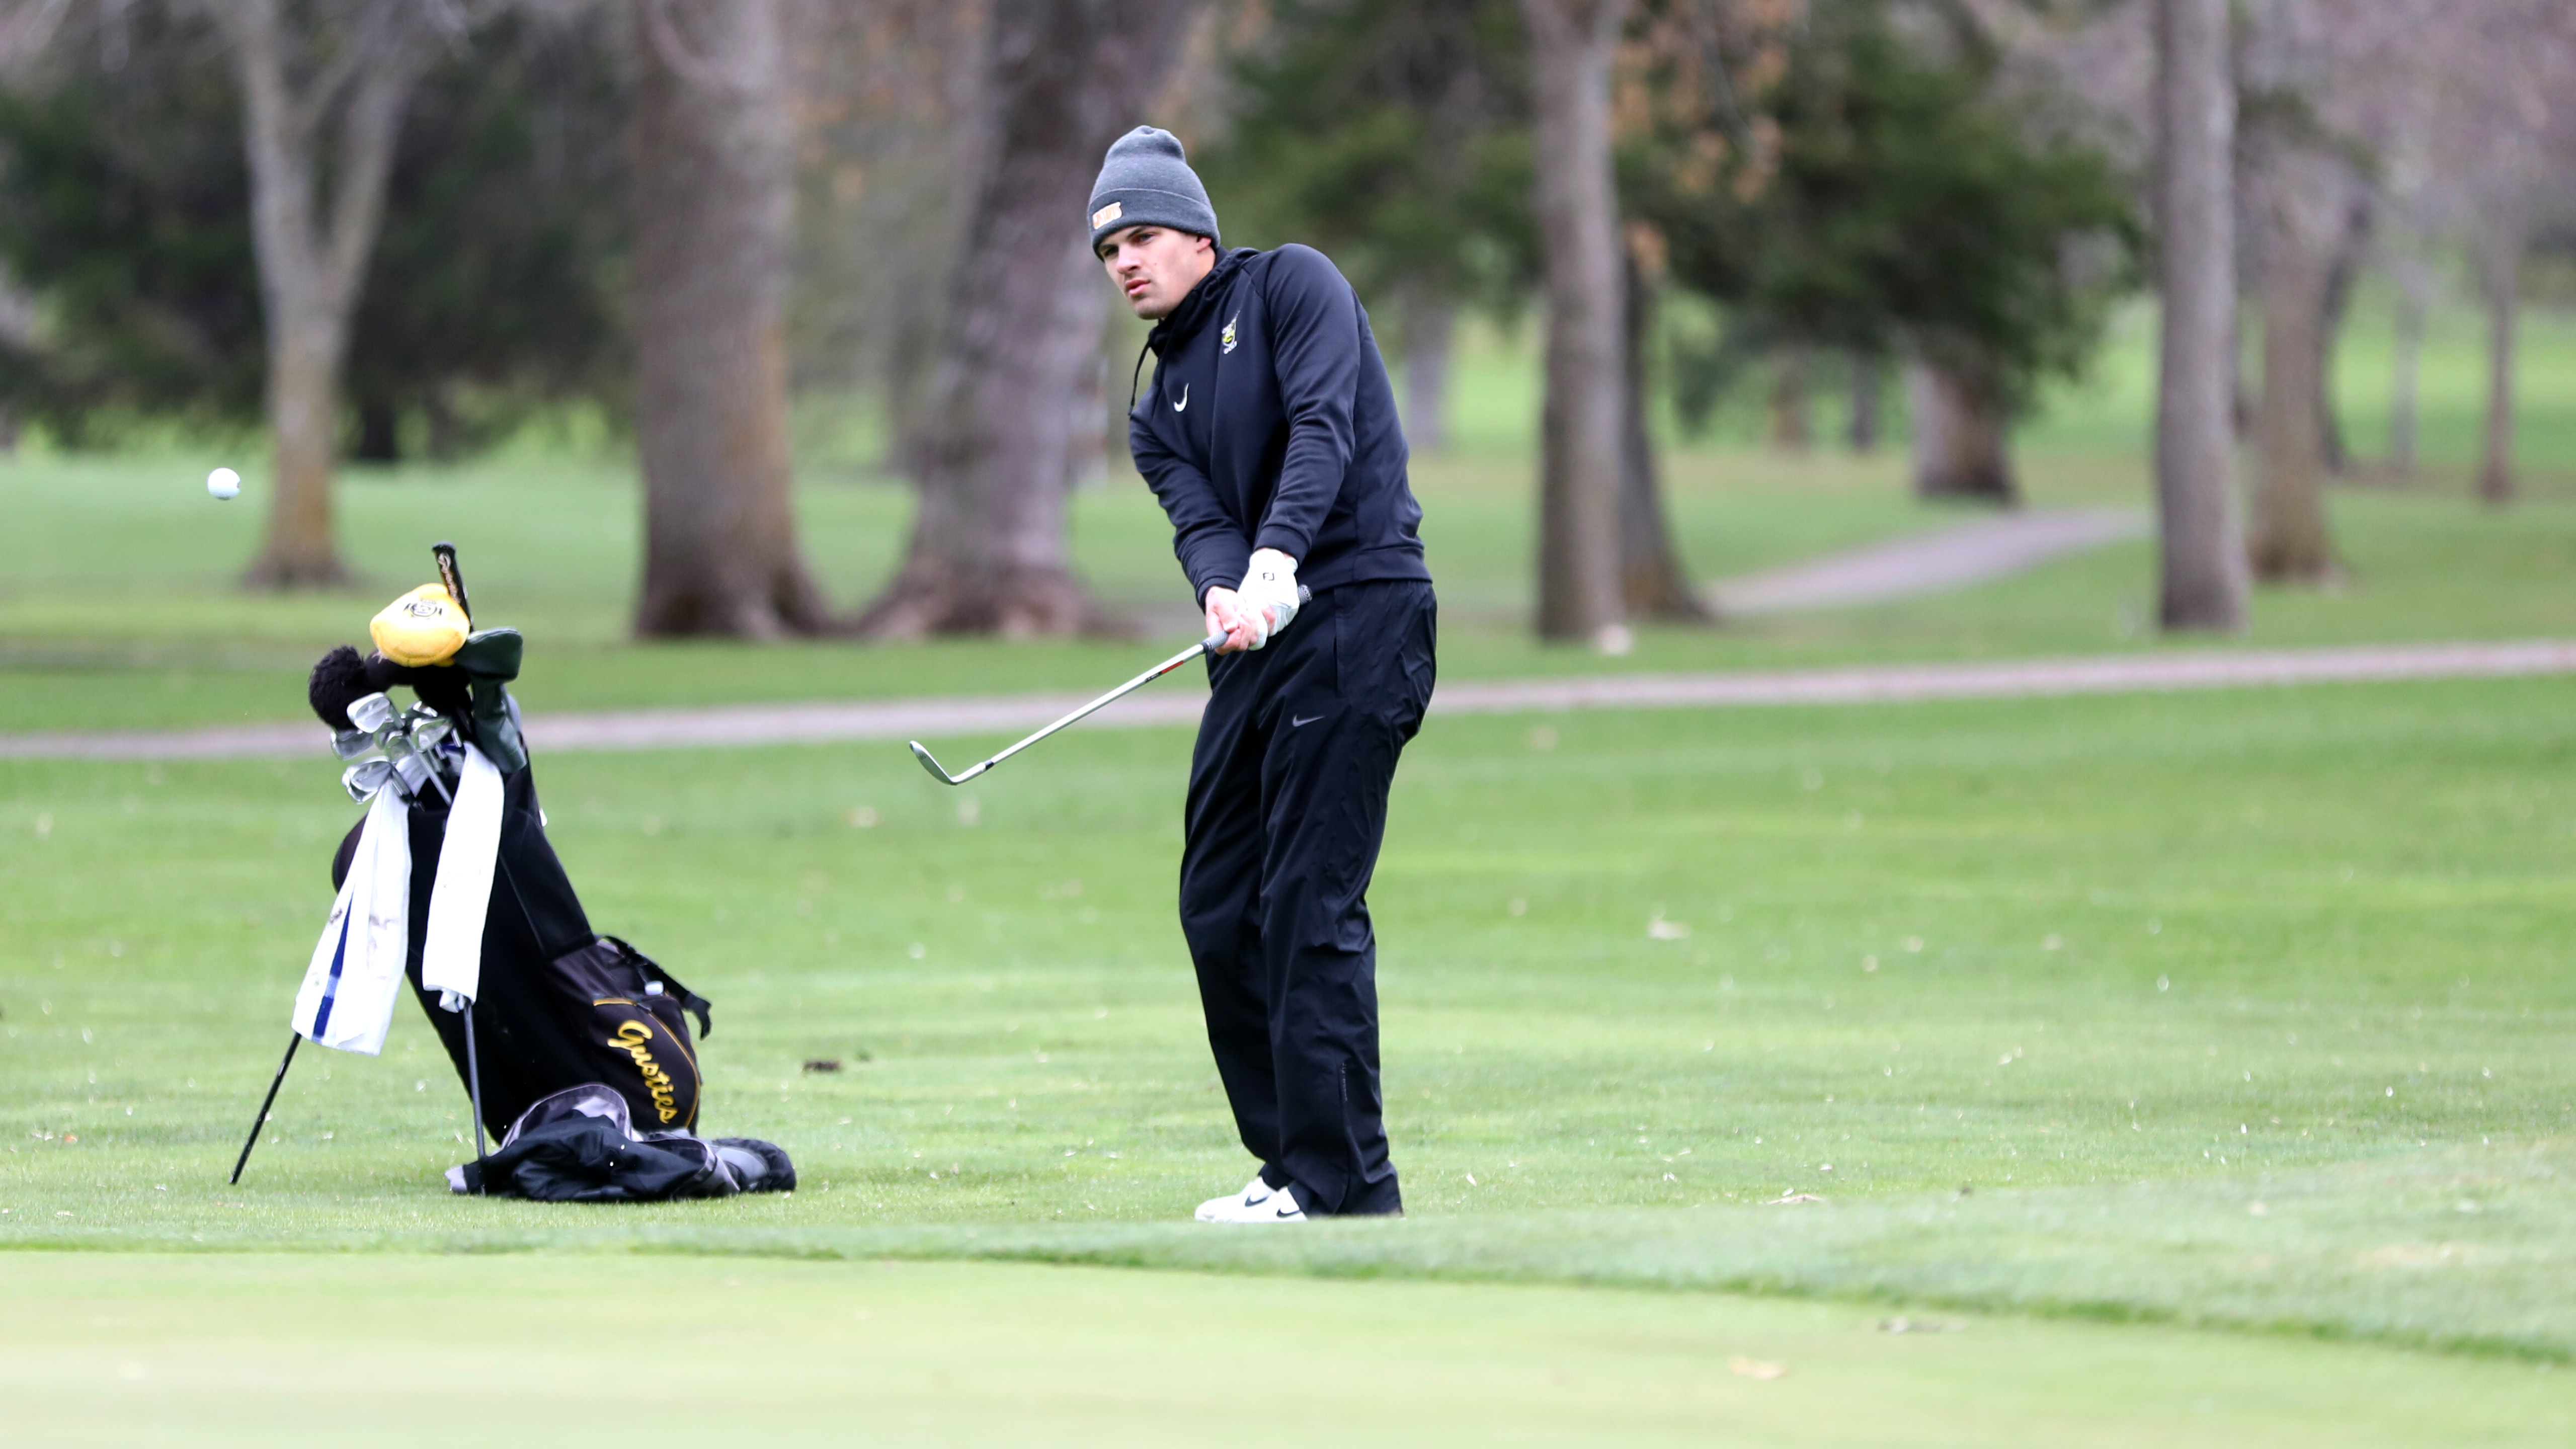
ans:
(451, 959)
(347, 999)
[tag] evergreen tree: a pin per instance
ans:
(124, 214)
(1879, 197)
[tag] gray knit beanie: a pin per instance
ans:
(1146, 181)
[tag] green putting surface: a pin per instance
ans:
(405, 1349)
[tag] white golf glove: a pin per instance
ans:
(1269, 593)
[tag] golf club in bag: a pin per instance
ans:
(547, 1005)
(1207, 645)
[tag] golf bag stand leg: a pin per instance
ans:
(293, 1040)
(474, 1080)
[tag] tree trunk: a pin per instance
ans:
(1961, 432)
(987, 553)
(2351, 250)
(712, 146)
(379, 431)
(2500, 277)
(446, 438)
(1866, 385)
(348, 76)
(1652, 583)
(1430, 330)
(2414, 299)
(1791, 430)
(1571, 46)
(1086, 444)
(2202, 567)
(2301, 210)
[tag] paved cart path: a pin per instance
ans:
(1929, 563)
(1177, 701)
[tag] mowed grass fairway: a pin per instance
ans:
(2245, 1011)
(2180, 1069)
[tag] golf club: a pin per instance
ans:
(1207, 645)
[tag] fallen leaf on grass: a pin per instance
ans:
(1754, 1368)
(1792, 1197)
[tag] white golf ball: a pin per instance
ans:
(224, 483)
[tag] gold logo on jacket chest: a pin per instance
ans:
(1225, 339)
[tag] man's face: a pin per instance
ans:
(1155, 266)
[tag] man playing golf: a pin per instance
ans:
(1270, 436)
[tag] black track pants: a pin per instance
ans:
(1287, 807)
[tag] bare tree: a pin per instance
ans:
(1651, 581)
(987, 553)
(713, 152)
(2203, 562)
(2414, 278)
(2343, 276)
(2407, 246)
(2461, 100)
(2305, 197)
(2499, 248)
(1572, 44)
(2325, 82)
(2495, 77)
(1866, 386)
(324, 84)
(27, 27)
(1792, 429)
(1430, 322)
(1961, 433)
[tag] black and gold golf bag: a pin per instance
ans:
(560, 1005)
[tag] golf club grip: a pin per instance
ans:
(1214, 641)
(453, 577)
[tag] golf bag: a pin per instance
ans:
(560, 1006)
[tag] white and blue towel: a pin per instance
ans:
(356, 975)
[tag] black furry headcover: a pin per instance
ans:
(341, 678)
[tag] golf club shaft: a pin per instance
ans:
(1208, 645)
(1204, 646)
(265, 1103)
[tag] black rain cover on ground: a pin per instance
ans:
(580, 1145)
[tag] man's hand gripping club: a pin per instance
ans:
(1265, 603)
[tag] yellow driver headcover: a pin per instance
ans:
(422, 627)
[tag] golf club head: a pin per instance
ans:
(430, 728)
(352, 744)
(936, 772)
(370, 712)
(364, 779)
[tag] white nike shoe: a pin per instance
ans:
(1259, 1202)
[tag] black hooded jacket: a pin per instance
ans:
(1270, 424)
